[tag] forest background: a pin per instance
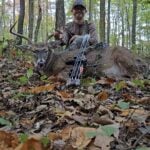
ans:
(118, 22)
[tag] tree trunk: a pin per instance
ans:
(14, 9)
(102, 20)
(47, 19)
(2, 20)
(21, 21)
(60, 14)
(128, 43)
(122, 3)
(134, 22)
(108, 23)
(90, 10)
(31, 19)
(38, 21)
(122, 32)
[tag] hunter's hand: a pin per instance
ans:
(73, 38)
(57, 35)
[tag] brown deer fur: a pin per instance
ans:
(113, 61)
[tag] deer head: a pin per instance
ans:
(41, 51)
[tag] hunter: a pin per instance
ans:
(78, 27)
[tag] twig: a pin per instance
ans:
(136, 142)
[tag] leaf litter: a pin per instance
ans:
(101, 114)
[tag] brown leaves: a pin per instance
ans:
(39, 89)
(106, 81)
(144, 101)
(102, 96)
(69, 113)
(9, 139)
(64, 95)
(31, 144)
(79, 138)
(103, 142)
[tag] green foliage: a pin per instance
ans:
(88, 81)
(120, 86)
(23, 137)
(25, 79)
(21, 95)
(29, 73)
(91, 134)
(44, 78)
(45, 141)
(107, 130)
(4, 122)
(143, 148)
(123, 105)
(138, 83)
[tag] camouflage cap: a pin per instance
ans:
(78, 3)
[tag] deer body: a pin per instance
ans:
(112, 61)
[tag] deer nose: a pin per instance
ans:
(41, 64)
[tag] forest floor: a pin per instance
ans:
(100, 115)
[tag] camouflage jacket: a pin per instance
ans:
(73, 28)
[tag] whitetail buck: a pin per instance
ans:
(112, 61)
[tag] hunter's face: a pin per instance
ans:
(79, 12)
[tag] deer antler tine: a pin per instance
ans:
(49, 37)
(18, 34)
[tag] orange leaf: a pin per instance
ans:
(125, 113)
(64, 95)
(103, 96)
(56, 79)
(40, 89)
(31, 144)
(106, 81)
(54, 136)
(9, 139)
(66, 133)
(3, 113)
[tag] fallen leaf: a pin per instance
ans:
(103, 96)
(127, 96)
(103, 142)
(39, 89)
(126, 112)
(31, 144)
(3, 113)
(80, 119)
(64, 95)
(144, 101)
(54, 136)
(104, 120)
(26, 123)
(119, 86)
(123, 105)
(66, 133)
(9, 139)
(106, 81)
(79, 138)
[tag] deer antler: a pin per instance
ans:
(18, 34)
